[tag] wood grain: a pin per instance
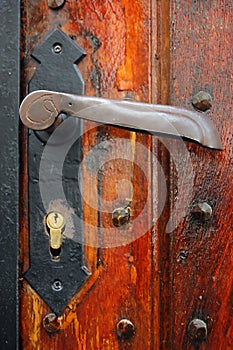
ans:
(201, 252)
(159, 52)
(116, 38)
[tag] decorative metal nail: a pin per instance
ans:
(54, 4)
(121, 216)
(183, 255)
(202, 101)
(197, 330)
(125, 329)
(202, 211)
(52, 323)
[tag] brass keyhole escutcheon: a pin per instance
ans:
(55, 223)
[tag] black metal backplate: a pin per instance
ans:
(57, 70)
(56, 281)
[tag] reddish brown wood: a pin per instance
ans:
(161, 281)
(160, 89)
(116, 39)
(201, 252)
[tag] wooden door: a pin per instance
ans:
(163, 280)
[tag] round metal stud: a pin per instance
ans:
(125, 329)
(202, 101)
(55, 4)
(202, 211)
(121, 216)
(197, 330)
(51, 323)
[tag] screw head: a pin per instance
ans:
(54, 4)
(57, 48)
(125, 329)
(55, 220)
(202, 101)
(57, 286)
(197, 330)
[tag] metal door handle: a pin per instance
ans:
(40, 109)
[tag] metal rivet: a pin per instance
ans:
(183, 255)
(121, 216)
(197, 330)
(202, 211)
(57, 286)
(202, 101)
(51, 323)
(57, 48)
(54, 4)
(125, 329)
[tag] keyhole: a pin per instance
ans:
(55, 224)
(55, 253)
(55, 217)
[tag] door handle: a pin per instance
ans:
(40, 109)
(54, 257)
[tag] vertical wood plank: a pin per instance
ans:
(161, 244)
(116, 38)
(201, 259)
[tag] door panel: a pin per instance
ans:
(168, 265)
(117, 66)
(201, 59)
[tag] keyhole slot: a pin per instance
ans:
(55, 253)
(55, 225)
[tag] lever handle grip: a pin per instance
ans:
(40, 109)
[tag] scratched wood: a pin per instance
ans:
(117, 162)
(201, 252)
(156, 52)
